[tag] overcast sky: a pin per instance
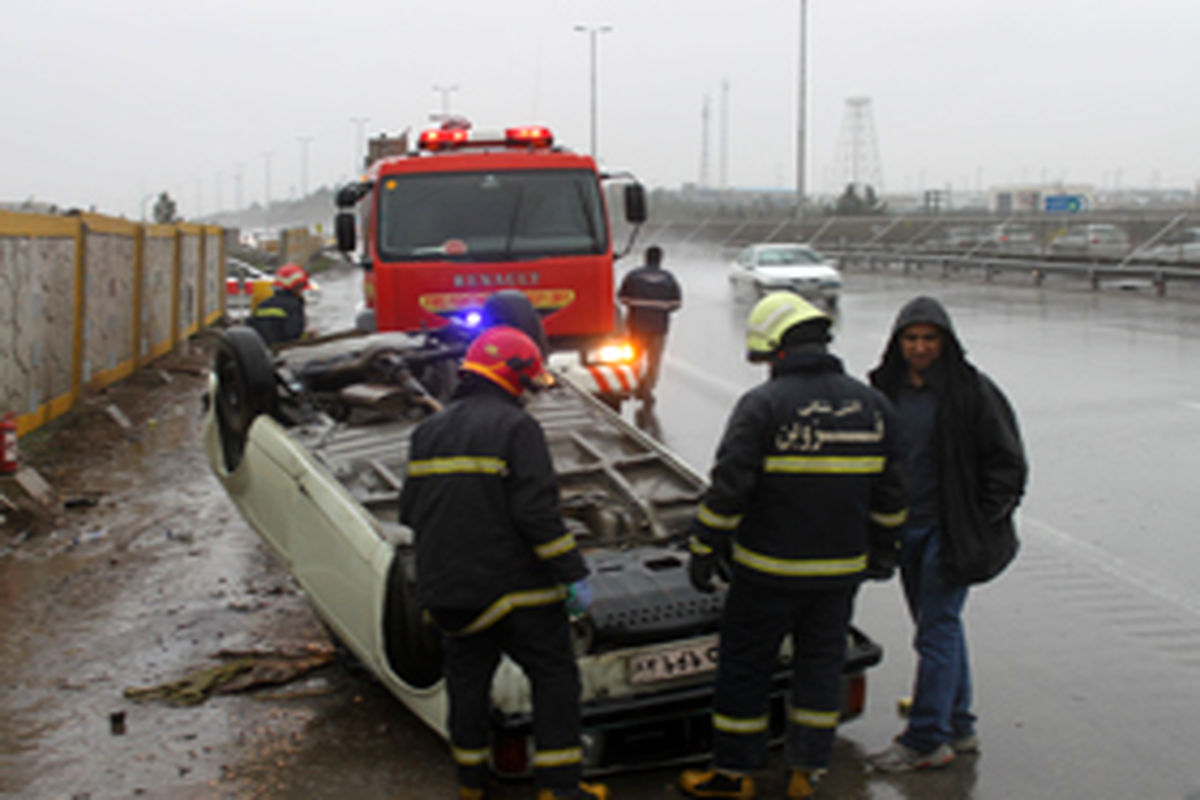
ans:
(102, 103)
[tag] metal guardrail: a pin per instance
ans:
(1036, 269)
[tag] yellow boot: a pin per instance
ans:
(714, 783)
(801, 785)
(584, 791)
(466, 793)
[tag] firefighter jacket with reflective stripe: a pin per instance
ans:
(482, 498)
(279, 318)
(806, 475)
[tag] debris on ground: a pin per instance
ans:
(118, 416)
(34, 485)
(241, 672)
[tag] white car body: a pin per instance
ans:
(323, 494)
(770, 267)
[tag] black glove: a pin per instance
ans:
(882, 556)
(706, 563)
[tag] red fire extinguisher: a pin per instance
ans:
(8, 444)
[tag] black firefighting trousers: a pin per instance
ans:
(538, 639)
(753, 625)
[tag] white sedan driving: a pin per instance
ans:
(770, 267)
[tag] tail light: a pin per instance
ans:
(510, 753)
(855, 700)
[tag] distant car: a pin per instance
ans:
(796, 267)
(955, 237)
(246, 285)
(1010, 238)
(1093, 239)
(1182, 248)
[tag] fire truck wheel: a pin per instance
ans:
(245, 388)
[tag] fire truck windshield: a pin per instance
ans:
(490, 216)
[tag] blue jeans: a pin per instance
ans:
(941, 710)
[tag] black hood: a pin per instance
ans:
(892, 368)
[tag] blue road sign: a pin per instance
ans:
(1066, 203)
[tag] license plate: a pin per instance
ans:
(672, 663)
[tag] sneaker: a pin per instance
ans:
(584, 791)
(900, 758)
(802, 784)
(966, 745)
(713, 783)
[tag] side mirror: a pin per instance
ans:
(349, 195)
(635, 203)
(344, 227)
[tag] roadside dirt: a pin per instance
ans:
(143, 576)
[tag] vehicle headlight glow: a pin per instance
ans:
(615, 353)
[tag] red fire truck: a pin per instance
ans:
(473, 212)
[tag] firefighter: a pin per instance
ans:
(650, 294)
(497, 570)
(805, 492)
(280, 318)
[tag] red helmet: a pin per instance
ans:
(506, 357)
(291, 276)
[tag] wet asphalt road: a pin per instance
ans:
(1086, 652)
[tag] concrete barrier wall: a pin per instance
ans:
(214, 275)
(108, 299)
(190, 241)
(38, 299)
(85, 300)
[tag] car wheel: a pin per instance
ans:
(245, 388)
(413, 645)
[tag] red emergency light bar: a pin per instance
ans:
(537, 136)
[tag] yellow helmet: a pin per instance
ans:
(772, 317)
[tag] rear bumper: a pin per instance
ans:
(672, 726)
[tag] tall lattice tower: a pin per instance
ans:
(857, 149)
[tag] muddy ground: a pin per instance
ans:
(143, 575)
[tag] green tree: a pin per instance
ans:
(164, 209)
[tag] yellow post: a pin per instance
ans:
(77, 345)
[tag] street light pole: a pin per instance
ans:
(359, 122)
(445, 91)
(304, 140)
(800, 113)
(267, 189)
(593, 31)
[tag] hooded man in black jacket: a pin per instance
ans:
(966, 472)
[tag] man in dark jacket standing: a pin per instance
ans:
(650, 294)
(806, 481)
(281, 318)
(497, 569)
(966, 473)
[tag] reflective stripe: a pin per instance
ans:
(832, 465)
(813, 719)
(497, 610)
(469, 758)
(739, 725)
(457, 465)
(558, 758)
(562, 544)
(269, 311)
(714, 520)
(698, 547)
(894, 520)
(799, 567)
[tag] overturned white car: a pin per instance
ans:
(311, 445)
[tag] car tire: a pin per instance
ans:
(245, 388)
(412, 644)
